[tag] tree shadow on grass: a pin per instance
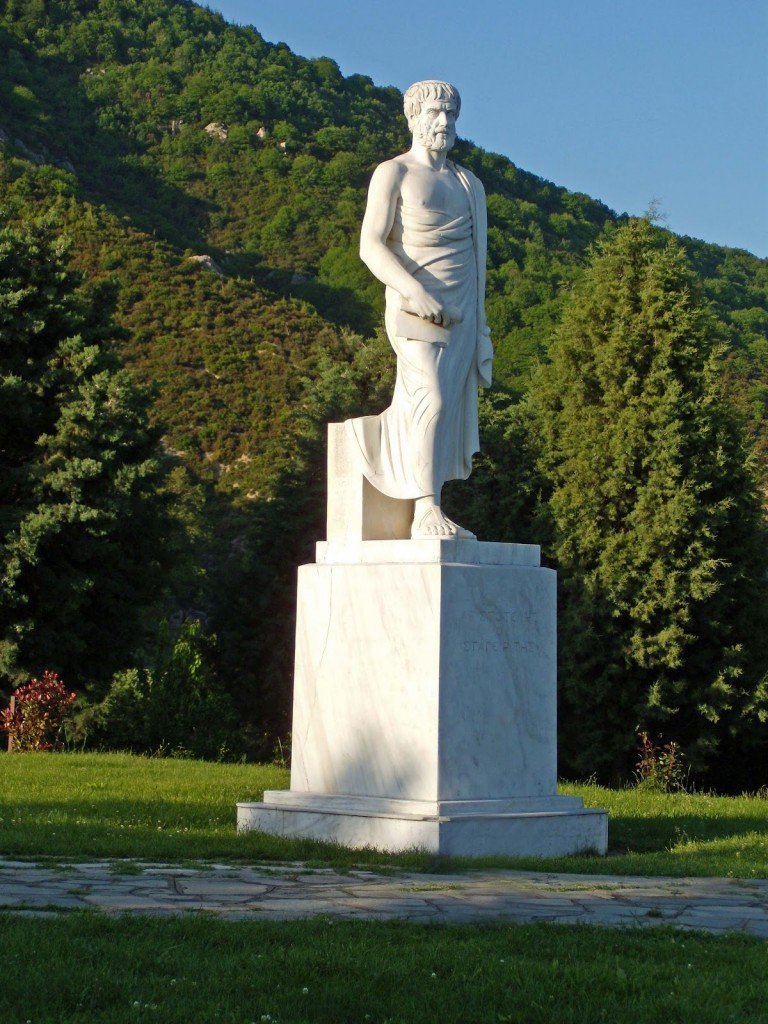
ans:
(173, 830)
(165, 830)
(662, 832)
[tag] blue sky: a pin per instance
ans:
(626, 100)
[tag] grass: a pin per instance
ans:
(99, 970)
(67, 806)
(102, 970)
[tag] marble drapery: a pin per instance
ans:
(429, 433)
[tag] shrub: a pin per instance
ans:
(41, 705)
(120, 720)
(662, 769)
(178, 707)
(189, 710)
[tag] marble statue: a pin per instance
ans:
(425, 688)
(424, 235)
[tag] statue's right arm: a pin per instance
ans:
(379, 217)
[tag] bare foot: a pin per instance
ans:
(433, 523)
(459, 531)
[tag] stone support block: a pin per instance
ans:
(355, 508)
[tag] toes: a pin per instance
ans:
(434, 524)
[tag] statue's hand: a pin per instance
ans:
(484, 357)
(420, 302)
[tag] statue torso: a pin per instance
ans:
(424, 189)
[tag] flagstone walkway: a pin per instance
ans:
(289, 891)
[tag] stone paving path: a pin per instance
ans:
(290, 891)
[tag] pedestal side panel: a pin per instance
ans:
(498, 693)
(365, 711)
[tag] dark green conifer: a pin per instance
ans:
(654, 513)
(82, 523)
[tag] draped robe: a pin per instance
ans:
(430, 432)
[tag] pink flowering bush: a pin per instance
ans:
(41, 706)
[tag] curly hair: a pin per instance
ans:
(421, 92)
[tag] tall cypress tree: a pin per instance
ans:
(654, 514)
(82, 521)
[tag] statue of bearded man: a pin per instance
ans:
(424, 236)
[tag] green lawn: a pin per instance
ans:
(94, 970)
(100, 970)
(115, 805)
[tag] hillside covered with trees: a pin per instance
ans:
(214, 184)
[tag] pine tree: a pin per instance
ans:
(82, 522)
(654, 515)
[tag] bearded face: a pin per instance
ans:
(434, 127)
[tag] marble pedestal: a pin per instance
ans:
(425, 704)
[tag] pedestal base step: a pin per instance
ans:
(527, 827)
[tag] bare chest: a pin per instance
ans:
(435, 190)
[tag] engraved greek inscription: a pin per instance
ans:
(502, 621)
(488, 646)
(485, 646)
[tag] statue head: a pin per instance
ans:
(432, 108)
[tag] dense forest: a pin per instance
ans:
(211, 186)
